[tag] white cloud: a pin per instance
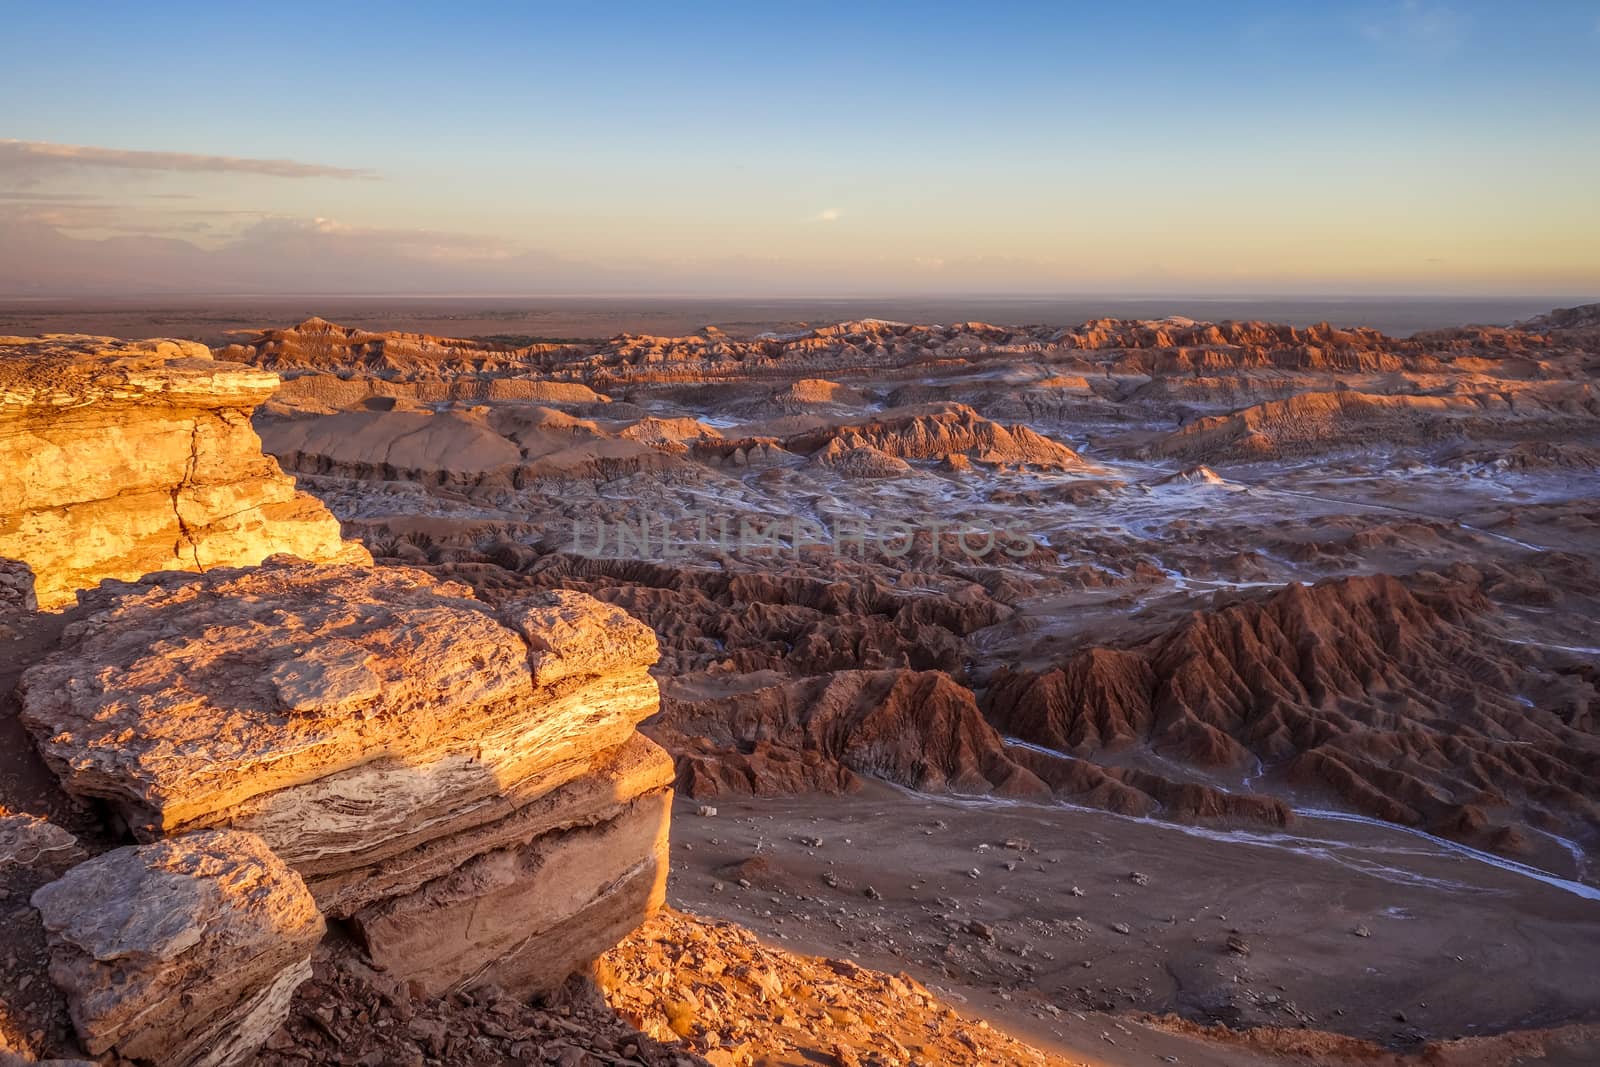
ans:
(285, 233)
(26, 157)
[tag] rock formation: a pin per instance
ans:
(185, 952)
(124, 458)
(319, 345)
(1584, 317)
(916, 728)
(1312, 423)
(16, 587)
(40, 846)
(1401, 704)
(762, 617)
(463, 785)
(937, 431)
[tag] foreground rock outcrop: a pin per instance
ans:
(186, 952)
(126, 457)
(464, 785)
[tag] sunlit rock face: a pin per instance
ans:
(422, 759)
(127, 457)
(185, 952)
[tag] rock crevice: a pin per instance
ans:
(136, 456)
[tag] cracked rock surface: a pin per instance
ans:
(126, 457)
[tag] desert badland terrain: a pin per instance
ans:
(1119, 691)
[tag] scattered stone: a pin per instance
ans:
(43, 847)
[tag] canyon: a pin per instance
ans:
(1140, 686)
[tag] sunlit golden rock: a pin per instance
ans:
(127, 457)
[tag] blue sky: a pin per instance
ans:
(821, 148)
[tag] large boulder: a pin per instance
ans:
(126, 457)
(185, 952)
(422, 759)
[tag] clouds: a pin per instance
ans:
(30, 197)
(285, 236)
(30, 158)
(151, 214)
(97, 191)
(280, 254)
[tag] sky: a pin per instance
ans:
(802, 149)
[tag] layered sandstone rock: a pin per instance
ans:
(185, 952)
(481, 453)
(127, 457)
(441, 773)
